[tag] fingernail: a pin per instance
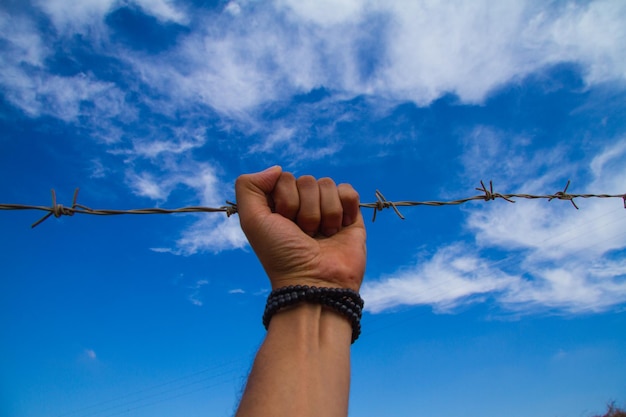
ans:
(331, 232)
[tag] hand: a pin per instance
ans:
(304, 232)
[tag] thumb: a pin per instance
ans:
(252, 191)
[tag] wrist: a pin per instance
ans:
(309, 324)
(282, 281)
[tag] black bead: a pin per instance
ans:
(344, 301)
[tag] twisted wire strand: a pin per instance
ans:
(381, 203)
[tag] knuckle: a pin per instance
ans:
(333, 216)
(347, 191)
(326, 182)
(306, 182)
(306, 179)
(308, 222)
(241, 181)
(287, 206)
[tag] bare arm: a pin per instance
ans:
(305, 232)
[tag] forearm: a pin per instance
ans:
(303, 367)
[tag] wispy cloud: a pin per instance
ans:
(146, 185)
(195, 297)
(555, 230)
(183, 141)
(420, 51)
(453, 276)
(90, 354)
(76, 17)
(558, 258)
(210, 233)
(238, 60)
(27, 83)
(88, 15)
(164, 10)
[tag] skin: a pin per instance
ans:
(305, 232)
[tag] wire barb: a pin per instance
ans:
(58, 210)
(490, 195)
(381, 204)
(562, 195)
(230, 209)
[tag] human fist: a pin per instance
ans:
(304, 231)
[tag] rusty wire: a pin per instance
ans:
(58, 210)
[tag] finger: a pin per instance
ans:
(252, 191)
(350, 204)
(286, 198)
(308, 217)
(330, 205)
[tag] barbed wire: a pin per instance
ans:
(381, 203)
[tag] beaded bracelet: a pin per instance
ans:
(343, 300)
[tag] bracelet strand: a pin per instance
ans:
(344, 301)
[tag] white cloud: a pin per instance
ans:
(558, 258)
(87, 16)
(258, 53)
(146, 185)
(211, 235)
(292, 144)
(23, 45)
(98, 170)
(27, 84)
(236, 291)
(283, 136)
(453, 276)
(90, 354)
(76, 16)
(223, 72)
(572, 287)
(161, 250)
(324, 12)
(183, 141)
(580, 33)
(470, 48)
(194, 297)
(164, 10)
(233, 8)
(556, 230)
(212, 232)
(197, 176)
(611, 159)
(206, 184)
(568, 253)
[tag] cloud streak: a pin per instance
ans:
(235, 62)
(238, 60)
(208, 233)
(415, 51)
(558, 259)
(452, 277)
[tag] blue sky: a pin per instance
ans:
(475, 310)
